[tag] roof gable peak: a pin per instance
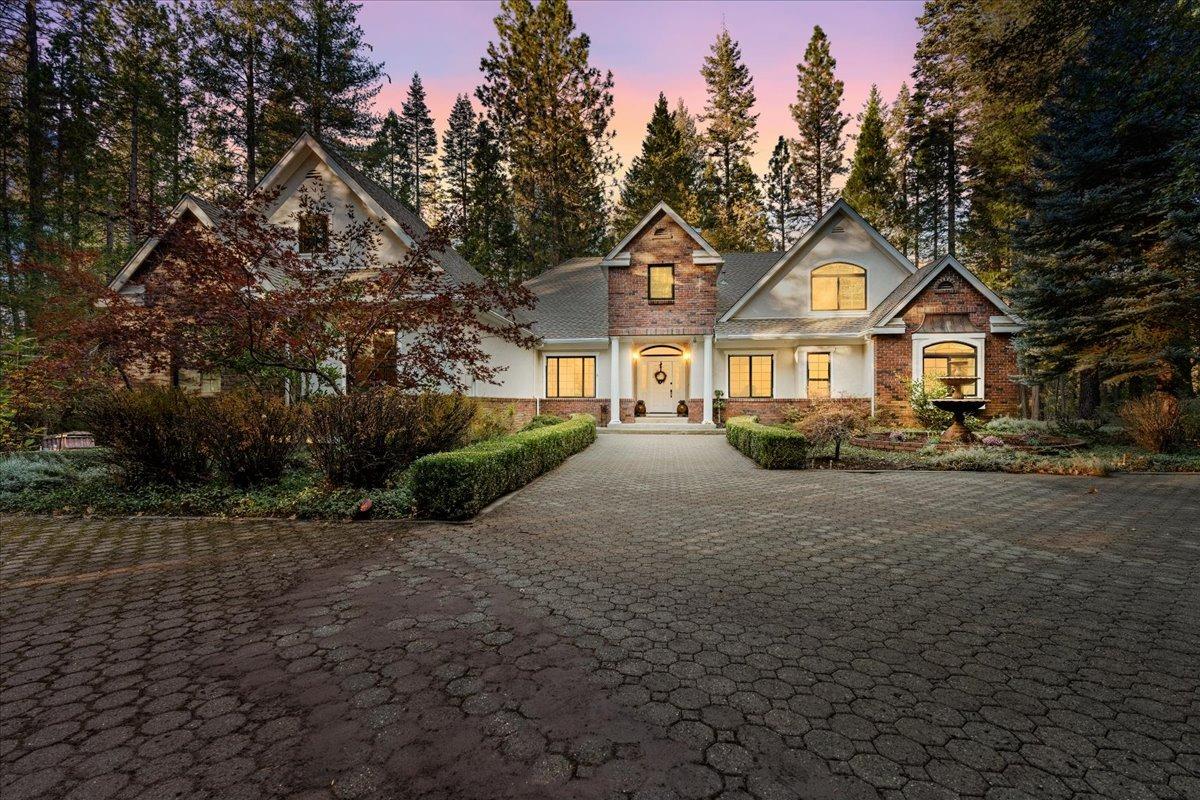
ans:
(706, 254)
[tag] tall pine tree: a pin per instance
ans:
(664, 170)
(732, 218)
(387, 156)
(870, 188)
(820, 122)
(419, 149)
(458, 148)
(900, 228)
(781, 196)
(551, 108)
(490, 241)
(1109, 273)
(329, 80)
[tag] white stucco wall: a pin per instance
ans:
(788, 294)
(849, 368)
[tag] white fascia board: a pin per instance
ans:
(887, 329)
(620, 260)
(660, 207)
(788, 336)
(186, 203)
(841, 206)
(701, 258)
(583, 340)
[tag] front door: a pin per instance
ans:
(660, 389)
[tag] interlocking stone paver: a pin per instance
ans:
(656, 618)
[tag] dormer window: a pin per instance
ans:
(660, 279)
(839, 287)
(312, 233)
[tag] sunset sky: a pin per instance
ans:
(653, 46)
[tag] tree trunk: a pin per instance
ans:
(1089, 394)
(34, 141)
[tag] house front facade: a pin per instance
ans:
(663, 321)
(659, 324)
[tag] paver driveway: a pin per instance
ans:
(657, 618)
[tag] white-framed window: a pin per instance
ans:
(751, 376)
(818, 369)
(570, 376)
(938, 354)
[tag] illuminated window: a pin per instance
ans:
(312, 234)
(839, 287)
(661, 281)
(570, 376)
(818, 376)
(949, 358)
(751, 376)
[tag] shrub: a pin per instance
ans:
(1153, 421)
(492, 421)
(976, 459)
(993, 441)
(542, 421)
(363, 439)
(921, 397)
(251, 438)
(41, 471)
(153, 435)
(832, 423)
(768, 446)
(1189, 420)
(1017, 425)
(459, 484)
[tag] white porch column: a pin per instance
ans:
(708, 380)
(614, 382)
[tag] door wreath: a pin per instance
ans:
(660, 376)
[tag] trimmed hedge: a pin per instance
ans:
(458, 484)
(767, 446)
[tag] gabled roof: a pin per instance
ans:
(396, 216)
(796, 326)
(840, 207)
(739, 273)
(913, 285)
(572, 300)
(205, 212)
(707, 254)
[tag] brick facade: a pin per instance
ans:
(893, 353)
(694, 309)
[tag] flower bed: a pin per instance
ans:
(912, 442)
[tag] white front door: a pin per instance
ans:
(663, 395)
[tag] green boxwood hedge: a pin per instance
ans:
(459, 483)
(767, 446)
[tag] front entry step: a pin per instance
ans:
(642, 426)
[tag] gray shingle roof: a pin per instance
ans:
(739, 273)
(886, 310)
(791, 327)
(572, 300)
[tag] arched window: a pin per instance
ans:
(839, 287)
(660, 350)
(949, 358)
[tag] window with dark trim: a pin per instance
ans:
(839, 287)
(752, 376)
(312, 233)
(818, 376)
(660, 282)
(950, 358)
(570, 376)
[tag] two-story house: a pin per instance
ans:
(664, 319)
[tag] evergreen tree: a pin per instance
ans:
(781, 198)
(458, 148)
(870, 188)
(490, 242)
(690, 139)
(663, 171)
(901, 225)
(387, 157)
(551, 109)
(420, 150)
(1109, 273)
(328, 81)
(818, 117)
(732, 213)
(232, 66)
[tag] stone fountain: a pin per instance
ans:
(959, 406)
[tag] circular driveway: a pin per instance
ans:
(656, 618)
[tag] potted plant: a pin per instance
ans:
(719, 407)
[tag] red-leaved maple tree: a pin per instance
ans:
(239, 298)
